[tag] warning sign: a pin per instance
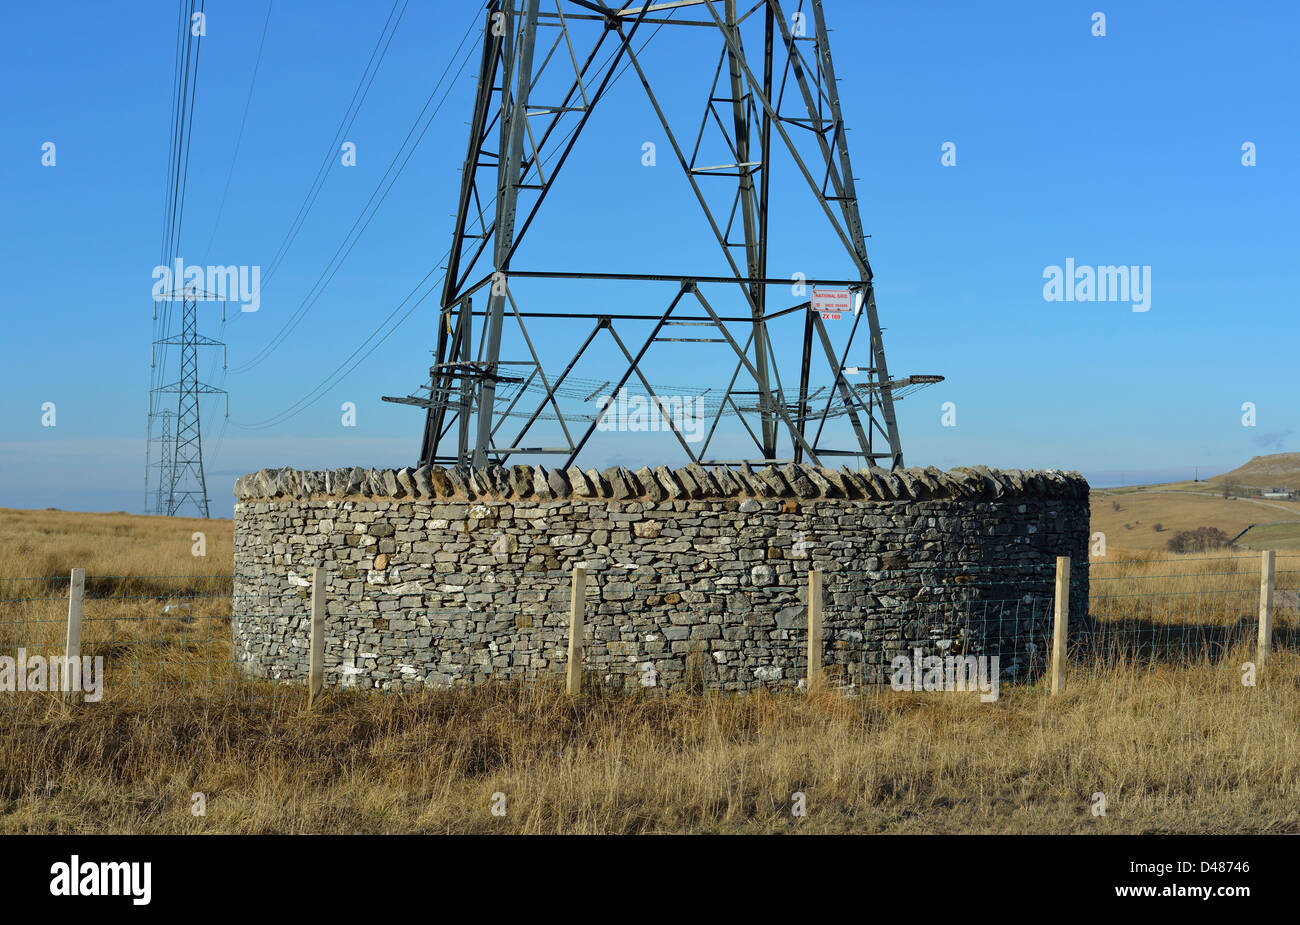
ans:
(831, 303)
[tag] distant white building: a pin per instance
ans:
(1279, 494)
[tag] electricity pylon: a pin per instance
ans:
(525, 124)
(181, 482)
(160, 447)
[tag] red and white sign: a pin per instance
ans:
(831, 303)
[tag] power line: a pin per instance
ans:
(240, 137)
(345, 123)
(336, 262)
(212, 370)
(180, 468)
(171, 189)
(329, 155)
(349, 116)
(185, 133)
(339, 374)
(308, 400)
(169, 192)
(180, 79)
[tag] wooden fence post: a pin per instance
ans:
(576, 604)
(72, 644)
(1266, 566)
(814, 629)
(1060, 631)
(316, 675)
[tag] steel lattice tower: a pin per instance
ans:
(181, 482)
(160, 445)
(522, 131)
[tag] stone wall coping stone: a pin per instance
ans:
(793, 481)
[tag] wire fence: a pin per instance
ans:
(1186, 609)
(1002, 614)
(727, 628)
(141, 637)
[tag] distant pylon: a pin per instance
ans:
(181, 482)
(160, 446)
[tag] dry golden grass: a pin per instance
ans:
(1174, 748)
(1224, 572)
(1133, 525)
(1274, 536)
(41, 543)
(1185, 750)
(135, 567)
(1185, 607)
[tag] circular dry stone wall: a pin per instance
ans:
(695, 578)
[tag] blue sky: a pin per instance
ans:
(1122, 149)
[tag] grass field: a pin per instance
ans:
(39, 543)
(1186, 506)
(1174, 748)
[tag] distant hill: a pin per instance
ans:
(1280, 469)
